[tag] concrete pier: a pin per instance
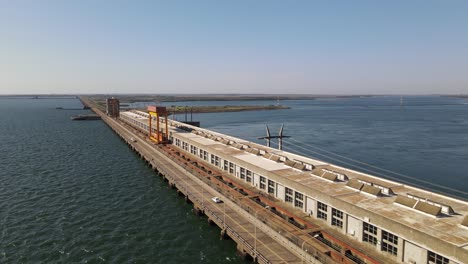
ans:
(234, 221)
(280, 207)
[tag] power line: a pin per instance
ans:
(372, 171)
(308, 153)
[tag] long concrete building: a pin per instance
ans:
(401, 222)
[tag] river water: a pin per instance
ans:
(72, 192)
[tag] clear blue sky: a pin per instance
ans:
(315, 47)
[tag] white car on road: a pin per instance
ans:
(216, 200)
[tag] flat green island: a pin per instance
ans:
(127, 100)
(223, 108)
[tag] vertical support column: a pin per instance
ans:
(401, 249)
(379, 239)
(150, 117)
(167, 129)
(345, 223)
(157, 128)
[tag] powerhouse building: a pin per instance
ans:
(405, 223)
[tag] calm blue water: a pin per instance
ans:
(426, 139)
(72, 192)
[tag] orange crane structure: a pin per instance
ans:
(156, 112)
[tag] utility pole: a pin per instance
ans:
(279, 137)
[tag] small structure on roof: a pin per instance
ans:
(465, 221)
(424, 205)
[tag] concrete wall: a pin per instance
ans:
(311, 206)
(414, 254)
(353, 215)
(256, 180)
(354, 227)
(280, 192)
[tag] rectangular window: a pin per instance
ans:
(337, 218)
(242, 173)
(299, 204)
(322, 210)
(231, 167)
(193, 150)
(288, 195)
(299, 196)
(271, 187)
(262, 183)
(369, 239)
(215, 160)
(389, 243)
(368, 228)
(299, 200)
(369, 234)
(185, 145)
(433, 258)
(389, 237)
(248, 176)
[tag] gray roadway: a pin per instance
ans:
(239, 221)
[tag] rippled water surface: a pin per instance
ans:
(423, 142)
(72, 192)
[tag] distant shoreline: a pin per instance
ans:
(132, 98)
(207, 98)
(222, 108)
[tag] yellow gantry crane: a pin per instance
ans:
(155, 112)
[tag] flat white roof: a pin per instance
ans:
(448, 228)
(260, 161)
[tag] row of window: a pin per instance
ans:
(433, 258)
(262, 182)
(136, 123)
(337, 218)
(389, 244)
(288, 195)
(245, 174)
(389, 241)
(322, 210)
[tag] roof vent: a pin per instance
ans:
(237, 146)
(384, 190)
(355, 184)
(333, 176)
(424, 205)
(406, 201)
(254, 151)
(372, 190)
(465, 221)
(272, 157)
(295, 164)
